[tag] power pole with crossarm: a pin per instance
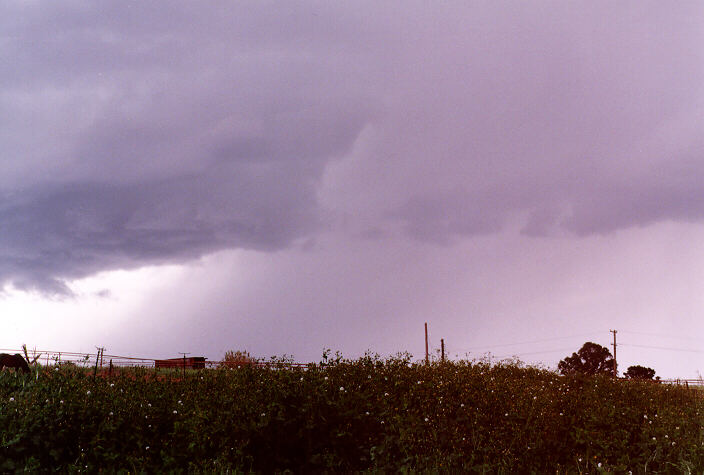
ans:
(615, 371)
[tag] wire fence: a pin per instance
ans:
(51, 357)
(684, 382)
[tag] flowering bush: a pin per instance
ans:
(236, 359)
(341, 415)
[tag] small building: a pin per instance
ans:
(193, 362)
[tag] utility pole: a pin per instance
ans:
(615, 372)
(427, 358)
(442, 350)
(98, 358)
(184, 363)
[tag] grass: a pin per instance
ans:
(368, 414)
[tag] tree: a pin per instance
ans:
(639, 372)
(590, 359)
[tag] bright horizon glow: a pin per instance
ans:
(100, 304)
(148, 308)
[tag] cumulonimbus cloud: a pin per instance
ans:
(132, 134)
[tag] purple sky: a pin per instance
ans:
(284, 177)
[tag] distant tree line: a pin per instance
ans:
(595, 359)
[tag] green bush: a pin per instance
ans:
(340, 415)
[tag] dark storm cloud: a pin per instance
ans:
(151, 132)
(137, 133)
(72, 230)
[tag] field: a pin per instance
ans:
(368, 414)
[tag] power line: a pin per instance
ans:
(528, 342)
(662, 348)
(660, 335)
(535, 353)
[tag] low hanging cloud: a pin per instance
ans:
(135, 134)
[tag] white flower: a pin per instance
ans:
(112, 385)
(599, 465)
(506, 414)
(342, 388)
(426, 419)
(147, 447)
(263, 414)
(61, 402)
(111, 413)
(326, 378)
(367, 412)
(175, 412)
(12, 399)
(88, 393)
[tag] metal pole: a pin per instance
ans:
(427, 358)
(615, 371)
(97, 360)
(184, 363)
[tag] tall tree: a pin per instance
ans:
(639, 372)
(590, 359)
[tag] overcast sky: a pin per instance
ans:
(284, 177)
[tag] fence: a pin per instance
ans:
(684, 382)
(50, 357)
